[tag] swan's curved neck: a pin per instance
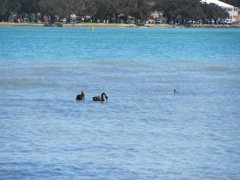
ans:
(102, 97)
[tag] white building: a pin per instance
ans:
(232, 11)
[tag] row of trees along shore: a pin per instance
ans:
(180, 11)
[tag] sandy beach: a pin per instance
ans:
(80, 25)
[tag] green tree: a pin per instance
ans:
(29, 7)
(190, 10)
(214, 12)
(48, 7)
(8, 7)
(84, 7)
(60, 8)
(116, 7)
(139, 9)
(103, 9)
(169, 8)
(174, 10)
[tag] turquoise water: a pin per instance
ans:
(144, 131)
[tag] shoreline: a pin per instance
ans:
(114, 25)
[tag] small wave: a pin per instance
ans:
(25, 82)
(217, 68)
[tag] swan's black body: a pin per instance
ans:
(80, 96)
(103, 97)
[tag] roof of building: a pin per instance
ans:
(217, 2)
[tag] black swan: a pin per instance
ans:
(98, 98)
(80, 96)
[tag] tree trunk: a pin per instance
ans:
(116, 15)
(52, 17)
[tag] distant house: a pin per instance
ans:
(232, 11)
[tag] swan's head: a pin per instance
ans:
(106, 98)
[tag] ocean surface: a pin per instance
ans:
(145, 130)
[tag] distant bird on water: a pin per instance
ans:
(80, 96)
(175, 91)
(103, 97)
